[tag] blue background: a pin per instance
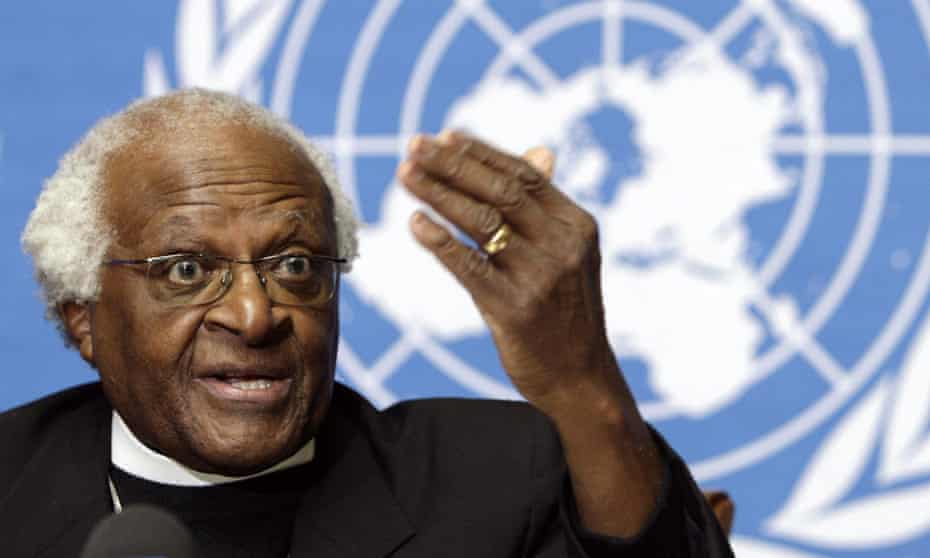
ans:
(63, 65)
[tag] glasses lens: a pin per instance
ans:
(186, 279)
(298, 279)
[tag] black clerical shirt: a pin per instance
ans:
(252, 518)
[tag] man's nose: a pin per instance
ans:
(245, 309)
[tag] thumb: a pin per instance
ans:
(542, 158)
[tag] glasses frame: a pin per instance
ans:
(255, 263)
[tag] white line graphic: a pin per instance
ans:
(391, 359)
(803, 342)
(731, 24)
(362, 146)
(612, 35)
(855, 144)
(512, 45)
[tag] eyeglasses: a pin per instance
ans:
(293, 279)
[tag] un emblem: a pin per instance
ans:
(762, 211)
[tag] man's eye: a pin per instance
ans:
(186, 271)
(294, 267)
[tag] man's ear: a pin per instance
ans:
(77, 320)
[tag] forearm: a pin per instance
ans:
(615, 468)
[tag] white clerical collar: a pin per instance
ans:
(134, 457)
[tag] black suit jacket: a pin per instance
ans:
(423, 478)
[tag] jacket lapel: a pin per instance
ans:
(62, 493)
(350, 509)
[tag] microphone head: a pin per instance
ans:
(140, 531)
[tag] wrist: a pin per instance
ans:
(599, 401)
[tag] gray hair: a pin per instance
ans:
(66, 234)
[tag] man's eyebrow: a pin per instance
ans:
(178, 221)
(299, 224)
(296, 215)
(296, 219)
(178, 227)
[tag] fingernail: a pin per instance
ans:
(422, 147)
(547, 160)
(445, 137)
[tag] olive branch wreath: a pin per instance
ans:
(881, 442)
(220, 45)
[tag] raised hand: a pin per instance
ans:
(537, 285)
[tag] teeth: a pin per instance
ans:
(250, 385)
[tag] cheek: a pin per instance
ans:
(149, 341)
(140, 350)
(317, 336)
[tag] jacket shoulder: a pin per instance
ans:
(471, 421)
(26, 429)
(494, 466)
(499, 432)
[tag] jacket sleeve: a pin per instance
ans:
(682, 525)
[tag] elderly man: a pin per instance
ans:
(190, 248)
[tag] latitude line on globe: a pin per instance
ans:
(855, 144)
(364, 145)
(836, 144)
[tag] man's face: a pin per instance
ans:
(175, 374)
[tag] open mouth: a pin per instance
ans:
(247, 388)
(249, 385)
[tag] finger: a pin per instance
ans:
(542, 159)
(478, 220)
(535, 181)
(522, 267)
(451, 166)
(556, 222)
(525, 260)
(471, 268)
(492, 156)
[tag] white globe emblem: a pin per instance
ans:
(690, 295)
(680, 288)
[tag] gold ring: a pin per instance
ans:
(499, 240)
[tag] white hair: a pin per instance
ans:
(67, 235)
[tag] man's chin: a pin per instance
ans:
(234, 434)
(242, 459)
(243, 442)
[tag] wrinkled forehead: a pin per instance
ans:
(200, 169)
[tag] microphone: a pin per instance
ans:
(140, 531)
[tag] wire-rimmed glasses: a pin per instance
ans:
(293, 279)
